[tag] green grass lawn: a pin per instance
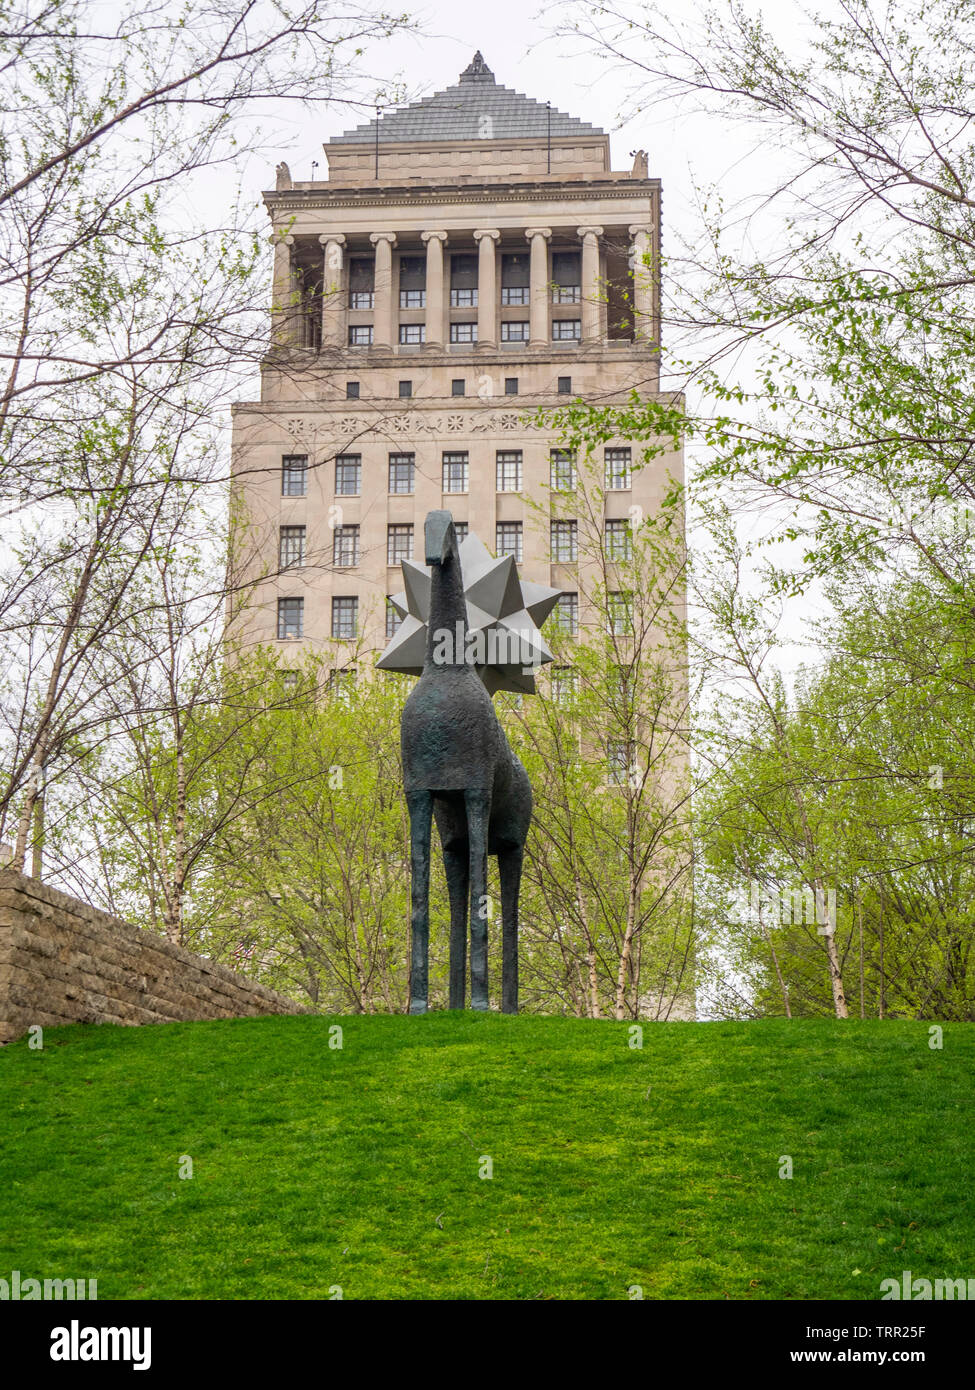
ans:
(315, 1167)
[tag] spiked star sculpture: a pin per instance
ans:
(497, 601)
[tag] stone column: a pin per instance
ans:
(642, 283)
(435, 333)
(487, 289)
(592, 290)
(333, 290)
(282, 290)
(540, 293)
(382, 333)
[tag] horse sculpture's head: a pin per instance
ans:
(440, 538)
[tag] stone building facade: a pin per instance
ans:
(468, 260)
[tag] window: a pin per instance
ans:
(562, 466)
(351, 390)
(618, 540)
(342, 684)
(362, 274)
(291, 617)
(360, 335)
(457, 387)
(565, 386)
(345, 545)
(565, 542)
(294, 475)
(412, 333)
(509, 470)
(566, 614)
(463, 280)
(289, 679)
(619, 760)
(456, 472)
(508, 539)
(515, 277)
(566, 277)
(405, 389)
(514, 332)
(566, 330)
(617, 469)
(345, 617)
(291, 546)
(412, 282)
(619, 614)
(401, 473)
(511, 386)
(565, 684)
(461, 528)
(348, 475)
(463, 332)
(393, 619)
(399, 543)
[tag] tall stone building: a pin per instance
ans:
(468, 259)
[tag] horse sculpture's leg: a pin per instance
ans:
(457, 868)
(421, 813)
(509, 871)
(478, 806)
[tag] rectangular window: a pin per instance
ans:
(291, 617)
(463, 299)
(401, 470)
(514, 331)
(565, 684)
(508, 539)
(461, 528)
(566, 277)
(515, 277)
(405, 389)
(566, 614)
(351, 390)
(348, 475)
(565, 542)
(463, 332)
(412, 299)
(342, 684)
(362, 299)
(456, 472)
(362, 281)
(345, 617)
(291, 547)
(562, 465)
(360, 335)
(509, 470)
(617, 469)
(412, 332)
(618, 540)
(412, 282)
(511, 386)
(619, 757)
(565, 386)
(345, 546)
(399, 542)
(289, 680)
(463, 278)
(457, 387)
(393, 619)
(566, 330)
(619, 614)
(294, 475)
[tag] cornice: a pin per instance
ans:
(296, 200)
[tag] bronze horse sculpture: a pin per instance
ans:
(459, 769)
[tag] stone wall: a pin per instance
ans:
(62, 961)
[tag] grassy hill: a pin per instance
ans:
(359, 1167)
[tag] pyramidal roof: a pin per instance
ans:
(475, 108)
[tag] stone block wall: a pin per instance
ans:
(62, 961)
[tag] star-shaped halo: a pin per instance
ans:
(498, 600)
